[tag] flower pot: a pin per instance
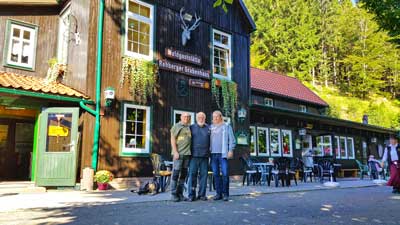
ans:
(102, 186)
(217, 83)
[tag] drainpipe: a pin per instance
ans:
(96, 112)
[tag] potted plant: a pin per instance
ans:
(103, 177)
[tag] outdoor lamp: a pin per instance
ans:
(109, 95)
(242, 112)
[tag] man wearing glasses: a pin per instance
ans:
(181, 138)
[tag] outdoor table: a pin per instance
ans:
(260, 166)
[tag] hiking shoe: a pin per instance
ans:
(203, 198)
(175, 198)
(217, 197)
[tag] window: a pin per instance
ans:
(324, 145)
(262, 141)
(350, 148)
(178, 113)
(139, 22)
(63, 36)
(287, 146)
(221, 55)
(136, 129)
(253, 141)
(21, 44)
(307, 142)
(303, 108)
(343, 147)
(268, 102)
(274, 142)
(337, 148)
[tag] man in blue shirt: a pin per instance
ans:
(200, 147)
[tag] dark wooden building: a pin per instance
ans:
(287, 118)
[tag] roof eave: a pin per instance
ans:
(248, 16)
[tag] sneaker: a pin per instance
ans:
(226, 198)
(203, 198)
(191, 199)
(175, 198)
(217, 197)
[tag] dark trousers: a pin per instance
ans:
(220, 165)
(179, 173)
(198, 165)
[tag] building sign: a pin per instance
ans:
(182, 56)
(179, 68)
(199, 83)
(58, 131)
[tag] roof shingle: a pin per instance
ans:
(278, 84)
(36, 84)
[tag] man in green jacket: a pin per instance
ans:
(180, 143)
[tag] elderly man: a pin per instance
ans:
(222, 144)
(180, 143)
(200, 153)
(392, 156)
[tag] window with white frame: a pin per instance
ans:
(222, 53)
(303, 108)
(274, 142)
(337, 147)
(178, 113)
(324, 145)
(350, 148)
(262, 141)
(21, 44)
(287, 146)
(343, 147)
(139, 22)
(253, 141)
(63, 36)
(268, 102)
(136, 129)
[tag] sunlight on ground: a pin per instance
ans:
(272, 212)
(395, 197)
(326, 208)
(361, 219)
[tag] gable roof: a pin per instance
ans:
(282, 85)
(36, 84)
(248, 16)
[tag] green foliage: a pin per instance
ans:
(103, 176)
(387, 14)
(227, 90)
(222, 4)
(55, 71)
(331, 43)
(142, 77)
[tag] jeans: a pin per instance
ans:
(198, 165)
(179, 173)
(218, 165)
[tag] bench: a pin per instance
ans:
(353, 172)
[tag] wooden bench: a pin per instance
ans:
(353, 172)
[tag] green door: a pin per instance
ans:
(57, 154)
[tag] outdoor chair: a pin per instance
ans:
(363, 169)
(265, 174)
(306, 171)
(160, 171)
(326, 169)
(375, 170)
(283, 172)
(249, 171)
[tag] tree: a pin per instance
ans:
(387, 14)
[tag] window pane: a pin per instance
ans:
(59, 132)
(252, 141)
(145, 11)
(350, 147)
(3, 138)
(140, 142)
(16, 32)
(144, 28)
(286, 142)
(130, 128)
(274, 141)
(130, 141)
(217, 37)
(133, 7)
(131, 114)
(144, 49)
(224, 40)
(141, 115)
(343, 147)
(337, 147)
(144, 39)
(140, 128)
(262, 142)
(27, 35)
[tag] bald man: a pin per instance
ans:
(181, 138)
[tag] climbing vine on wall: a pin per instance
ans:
(141, 76)
(222, 3)
(225, 95)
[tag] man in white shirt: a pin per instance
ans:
(391, 155)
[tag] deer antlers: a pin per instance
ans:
(185, 26)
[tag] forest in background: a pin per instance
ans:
(337, 49)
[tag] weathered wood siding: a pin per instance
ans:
(46, 18)
(167, 34)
